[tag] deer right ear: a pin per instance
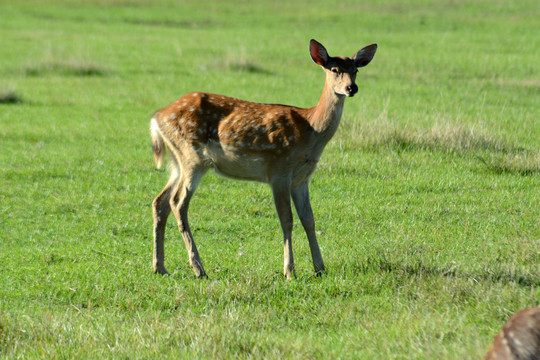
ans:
(318, 53)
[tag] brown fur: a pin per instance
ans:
(519, 339)
(197, 118)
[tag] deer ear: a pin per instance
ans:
(364, 56)
(318, 52)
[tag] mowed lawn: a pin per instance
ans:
(426, 201)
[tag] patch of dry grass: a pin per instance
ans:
(496, 154)
(75, 67)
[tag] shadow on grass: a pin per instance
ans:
(70, 68)
(10, 97)
(171, 22)
(184, 24)
(248, 66)
(419, 269)
(525, 163)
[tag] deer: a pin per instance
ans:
(519, 339)
(271, 143)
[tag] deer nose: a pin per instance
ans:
(352, 89)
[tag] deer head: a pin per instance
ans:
(341, 71)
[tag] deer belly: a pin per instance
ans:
(237, 166)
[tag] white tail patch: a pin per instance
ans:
(158, 146)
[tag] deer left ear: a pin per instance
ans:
(364, 56)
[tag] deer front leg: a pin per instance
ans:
(282, 200)
(300, 196)
(180, 205)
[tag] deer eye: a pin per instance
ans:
(335, 70)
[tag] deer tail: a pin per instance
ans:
(158, 145)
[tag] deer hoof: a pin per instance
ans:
(290, 273)
(160, 270)
(320, 270)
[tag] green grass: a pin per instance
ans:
(426, 201)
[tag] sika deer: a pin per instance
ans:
(276, 144)
(519, 339)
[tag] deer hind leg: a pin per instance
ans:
(282, 200)
(161, 210)
(300, 196)
(179, 203)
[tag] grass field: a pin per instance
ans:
(426, 201)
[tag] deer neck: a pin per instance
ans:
(325, 116)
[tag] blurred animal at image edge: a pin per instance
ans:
(519, 339)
